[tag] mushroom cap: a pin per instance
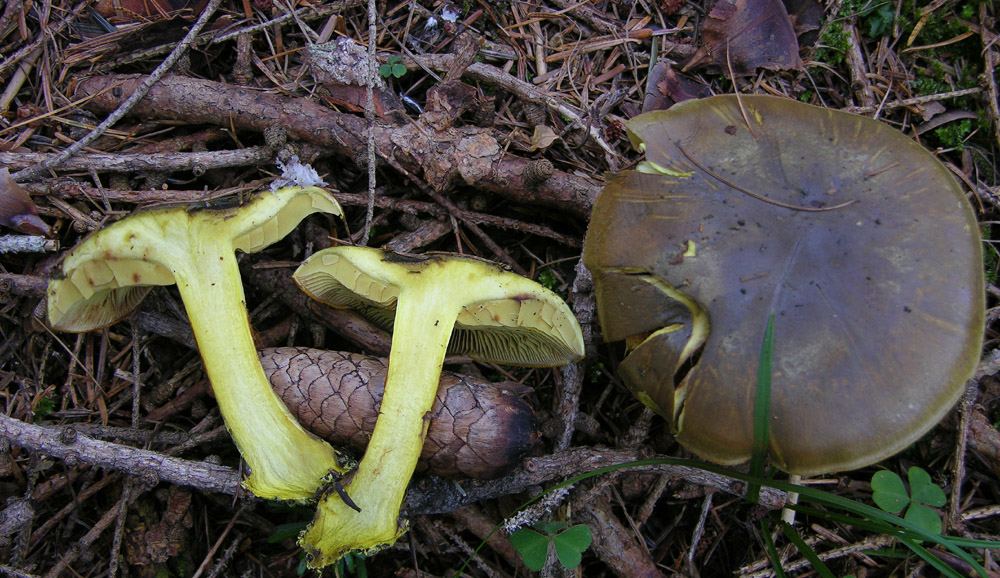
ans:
(857, 239)
(519, 323)
(105, 277)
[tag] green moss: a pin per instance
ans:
(953, 135)
(45, 407)
(832, 45)
(548, 280)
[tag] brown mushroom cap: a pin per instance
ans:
(859, 241)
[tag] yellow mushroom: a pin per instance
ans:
(435, 304)
(106, 276)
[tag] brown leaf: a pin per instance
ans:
(666, 87)
(745, 35)
(17, 210)
(543, 137)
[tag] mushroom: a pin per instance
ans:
(435, 304)
(106, 276)
(857, 239)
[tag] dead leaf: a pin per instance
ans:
(17, 210)
(543, 138)
(666, 87)
(747, 35)
(806, 15)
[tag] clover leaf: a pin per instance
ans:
(394, 67)
(569, 543)
(890, 494)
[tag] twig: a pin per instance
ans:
(90, 537)
(307, 13)
(455, 212)
(130, 163)
(131, 101)
(961, 445)
(14, 572)
(990, 57)
(444, 496)
(130, 492)
(137, 462)
(496, 77)
(201, 101)
(83, 192)
(569, 401)
(215, 547)
(915, 101)
(27, 244)
(370, 121)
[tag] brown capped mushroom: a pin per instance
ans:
(857, 239)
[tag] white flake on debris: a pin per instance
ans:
(295, 173)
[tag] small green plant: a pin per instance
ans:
(548, 280)
(833, 45)
(45, 407)
(953, 135)
(394, 67)
(889, 493)
(879, 19)
(570, 542)
(352, 563)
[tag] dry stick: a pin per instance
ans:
(66, 510)
(90, 537)
(129, 493)
(14, 572)
(165, 162)
(307, 13)
(84, 192)
(699, 530)
(18, 79)
(456, 213)
(961, 445)
(140, 92)
(495, 76)
(991, 81)
(226, 556)
(218, 543)
(9, 13)
(134, 461)
(582, 298)
(859, 74)
(917, 100)
(442, 157)
(27, 244)
(370, 120)
(616, 545)
(792, 566)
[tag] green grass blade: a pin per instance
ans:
(772, 552)
(806, 550)
(762, 411)
(930, 558)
